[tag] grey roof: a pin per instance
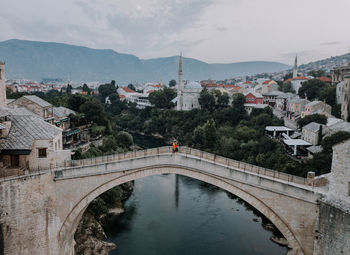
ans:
(37, 100)
(273, 93)
(314, 103)
(62, 112)
(18, 111)
(315, 149)
(25, 130)
(193, 85)
(340, 126)
(295, 135)
(312, 126)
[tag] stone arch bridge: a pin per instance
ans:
(40, 212)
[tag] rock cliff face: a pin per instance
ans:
(90, 234)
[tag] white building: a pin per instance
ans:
(187, 96)
(191, 95)
(297, 82)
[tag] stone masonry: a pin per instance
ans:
(40, 212)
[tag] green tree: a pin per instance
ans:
(93, 111)
(318, 118)
(222, 99)
(158, 99)
(169, 93)
(107, 89)
(209, 134)
(311, 89)
(131, 86)
(317, 73)
(329, 95)
(86, 89)
(238, 101)
(329, 141)
(109, 144)
(75, 101)
(172, 83)
(124, 139)
(288, 76)
(206, 100)
(287, 87)
(69, 89)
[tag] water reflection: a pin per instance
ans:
(203, 220)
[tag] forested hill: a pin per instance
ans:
(38, 60)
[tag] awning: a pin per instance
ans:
(297, 142)
(73, 132)
(277, 128)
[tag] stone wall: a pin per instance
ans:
(339, 179)
(333, 231)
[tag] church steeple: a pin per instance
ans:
(295, 68)
(180, 86)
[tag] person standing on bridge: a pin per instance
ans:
(175, 146)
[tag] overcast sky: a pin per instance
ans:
(210, 30)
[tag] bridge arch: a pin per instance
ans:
(67, 231)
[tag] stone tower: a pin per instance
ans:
(2, 85)
(295, 68)
(180, 87)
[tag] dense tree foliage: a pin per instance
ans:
(107, 89)
(172, 83)
(317, 73)
(131, 86)
(312, 89)
(286, 87)
(86, 89)
(318, 118)
(162, 98)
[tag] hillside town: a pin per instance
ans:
(301, 118)
(281, 96)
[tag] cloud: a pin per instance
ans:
(210, 30)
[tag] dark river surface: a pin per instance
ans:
(176, 215)
(171, 214)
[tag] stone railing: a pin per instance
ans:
(189, 152)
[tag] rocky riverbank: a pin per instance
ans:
(90, 234)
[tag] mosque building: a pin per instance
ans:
(187, 94)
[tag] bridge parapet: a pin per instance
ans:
(186, 151)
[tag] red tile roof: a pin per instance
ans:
(128, 90)
(325, 79)
(266, 82)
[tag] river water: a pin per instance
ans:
(177, 215)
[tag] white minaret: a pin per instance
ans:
(295, 68)
(180, 87)
(2, 85)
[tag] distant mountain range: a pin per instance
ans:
(326, 64)
(38, 60)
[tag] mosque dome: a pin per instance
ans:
(193, 85)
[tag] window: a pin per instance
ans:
(42, 153)
(55, 146)
(348, 188)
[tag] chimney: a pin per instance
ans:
(320, 134)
